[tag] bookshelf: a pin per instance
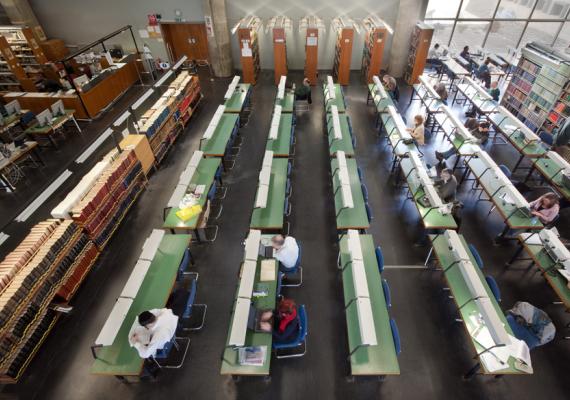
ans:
(374, 40)
(539, 91)
(420, 42)
(343, 55)
(21, 58)
(311, 24)
(169, 115)
(249, 50)
(279, 53)
(104, 206)
(45, 267)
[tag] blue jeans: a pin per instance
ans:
(448, 153)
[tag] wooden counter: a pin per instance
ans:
(97, 98)
(36, 102)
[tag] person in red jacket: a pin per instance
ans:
(285, 321)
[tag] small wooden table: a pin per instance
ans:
(18, 154)
(48, 131)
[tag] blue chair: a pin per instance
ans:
(494, 287)
(505, 170)
(364, 191)
(353, 142)
(546, 138)
(387, 294)
(396, 336)
(380, 259)
(552, 223)
(289, 169)
(360, 173)
(476, 256)
(523, 333)
(369, 212)
(279, 283)
(187, 259)
(161, 357)
(288, 188)
(191, 306)
(287, 207)
(212, 191)
(297, 269)
(27, 119)
(298, 346)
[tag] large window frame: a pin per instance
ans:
(457, 19)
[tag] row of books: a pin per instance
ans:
(55, 250)
(99, 211)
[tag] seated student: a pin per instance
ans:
(484, 73)
(441, 91)
(479, 130)
(447, 185)
(391, 86)
(286, 251)
(546, 207)
(303, 92)
(285, 321)
(418, 131)
(562, 135)
(465, 54)
(434, 55)
(494, 91)
(152, 330)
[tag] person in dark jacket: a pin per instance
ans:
(303, 92)
(447, 185)
(286, 322)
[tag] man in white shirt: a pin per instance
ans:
(152, 330)
(286, 251)
(434, 56)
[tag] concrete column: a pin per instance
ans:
(20, 13)
(409, 12)
(219, 44)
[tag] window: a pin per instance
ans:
(543, 32)
(504, 34)
(478, 8)
(498, 24)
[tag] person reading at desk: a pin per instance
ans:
(283, 323)
(484, 73)
(494, 91)
(303, 92)
(481, 133)
(152, 330)
(446, 185)
(441, 91)
(391, 86)
(418, 131)
(286, 251)
(546, 207)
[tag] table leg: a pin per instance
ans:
(515, 256)
(76, 124)
(38, 157)
(472, 371)
(529, 174)
(518, 162)
(7, 184)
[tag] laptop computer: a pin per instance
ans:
(254, 319)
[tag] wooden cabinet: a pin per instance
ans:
(54, 49)
(312, 55)
(249, 52)
(36, 102)
(279, 53)
(419, 47)
(375, 39)
(343, 55)
(141, 147)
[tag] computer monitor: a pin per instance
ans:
(44, 118)
(57, 108)
(13, 107)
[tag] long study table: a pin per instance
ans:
(282, 146)
(240, 99)
(349, 218)
(345, 143)
(222, 138)
(368, 360)
(120, 359)
(205, 174)
(462, 297)
(47, 131)
(271, 217)
(337, 101)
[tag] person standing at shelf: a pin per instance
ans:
(392, 87)
(484, 73)
(303, 92)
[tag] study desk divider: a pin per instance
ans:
(398, 136)
(349, 201)
(219, 142)
(339, 132)
(477, 96)
(512, 206)
(268, 211)
(333, 96)
(370, 344)
(435, 214)
(240, 97)
(556, 171)
(148, 287)
(240, 337)
(381, 100)
(551, 256)
(497, 350)
(282, 144)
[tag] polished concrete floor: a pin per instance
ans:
(435, 350)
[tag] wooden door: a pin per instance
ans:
(186, 39)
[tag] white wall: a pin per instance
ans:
(80, 22)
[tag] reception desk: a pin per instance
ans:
(97, 94)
